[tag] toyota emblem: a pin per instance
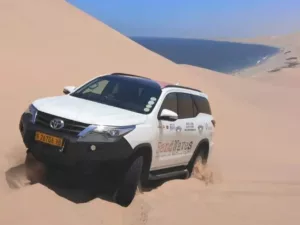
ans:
(57, 124)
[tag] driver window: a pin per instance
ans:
(170, 102)
(97, 87)
(185, 106)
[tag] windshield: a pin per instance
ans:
(130, 93)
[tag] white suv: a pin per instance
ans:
(134, 127)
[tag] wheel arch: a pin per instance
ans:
(203, 146)
(144, 150)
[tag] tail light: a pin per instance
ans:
(214, 123)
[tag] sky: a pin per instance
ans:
(211, 19)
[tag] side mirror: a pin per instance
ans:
(68, 89)
(168, 115)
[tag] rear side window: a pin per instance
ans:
(170, 102)
(202, 104)
(185, 106)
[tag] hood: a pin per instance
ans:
(89, 112)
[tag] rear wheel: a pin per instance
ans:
(128, 185)
(199, 156)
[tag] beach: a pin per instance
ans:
(282, 62)
(252, 176)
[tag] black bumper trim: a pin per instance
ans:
(76, 151)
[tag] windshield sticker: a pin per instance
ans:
(189, 126)
(146, 109)
(151, 102)
(149, 106)
(153, 99)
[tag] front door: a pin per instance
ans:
(168, 135)
(176, 140)
(189, 135)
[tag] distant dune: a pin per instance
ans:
(279, 41)
(254, 167)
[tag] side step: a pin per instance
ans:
(168, 175)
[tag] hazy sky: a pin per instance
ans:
(196, 18)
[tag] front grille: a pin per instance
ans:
(70, 126)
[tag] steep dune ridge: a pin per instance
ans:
(46, 44)
(250, 142)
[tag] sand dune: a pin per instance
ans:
(254, 167)
(279, 41)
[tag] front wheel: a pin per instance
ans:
(35, 170)
(126, 190)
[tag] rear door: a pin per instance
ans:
(189, 134)
(205, 120)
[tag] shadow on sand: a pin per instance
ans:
(75, 188)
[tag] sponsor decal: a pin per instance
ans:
(208, 127)
(200, 128)
(189, 126)
(174, 147)
(178, 128)
(161, 126)
(172, 126)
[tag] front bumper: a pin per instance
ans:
(76, 151)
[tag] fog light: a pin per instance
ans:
(93, 147)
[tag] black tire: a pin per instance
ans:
(34, 169)
(200, 154)
(127, 188)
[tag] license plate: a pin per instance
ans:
(49, 139)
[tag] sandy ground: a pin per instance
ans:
(253, 172)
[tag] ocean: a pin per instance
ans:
(221, 56)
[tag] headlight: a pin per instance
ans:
(112, 131)
(32, 110)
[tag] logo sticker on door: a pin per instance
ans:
(200, 129)
(189, 126)
(174, 147)
(172, 126)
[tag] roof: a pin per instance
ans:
(143, 80)
(183, 87)
(161, 84)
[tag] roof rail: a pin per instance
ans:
(179, 86)
(127, 74)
